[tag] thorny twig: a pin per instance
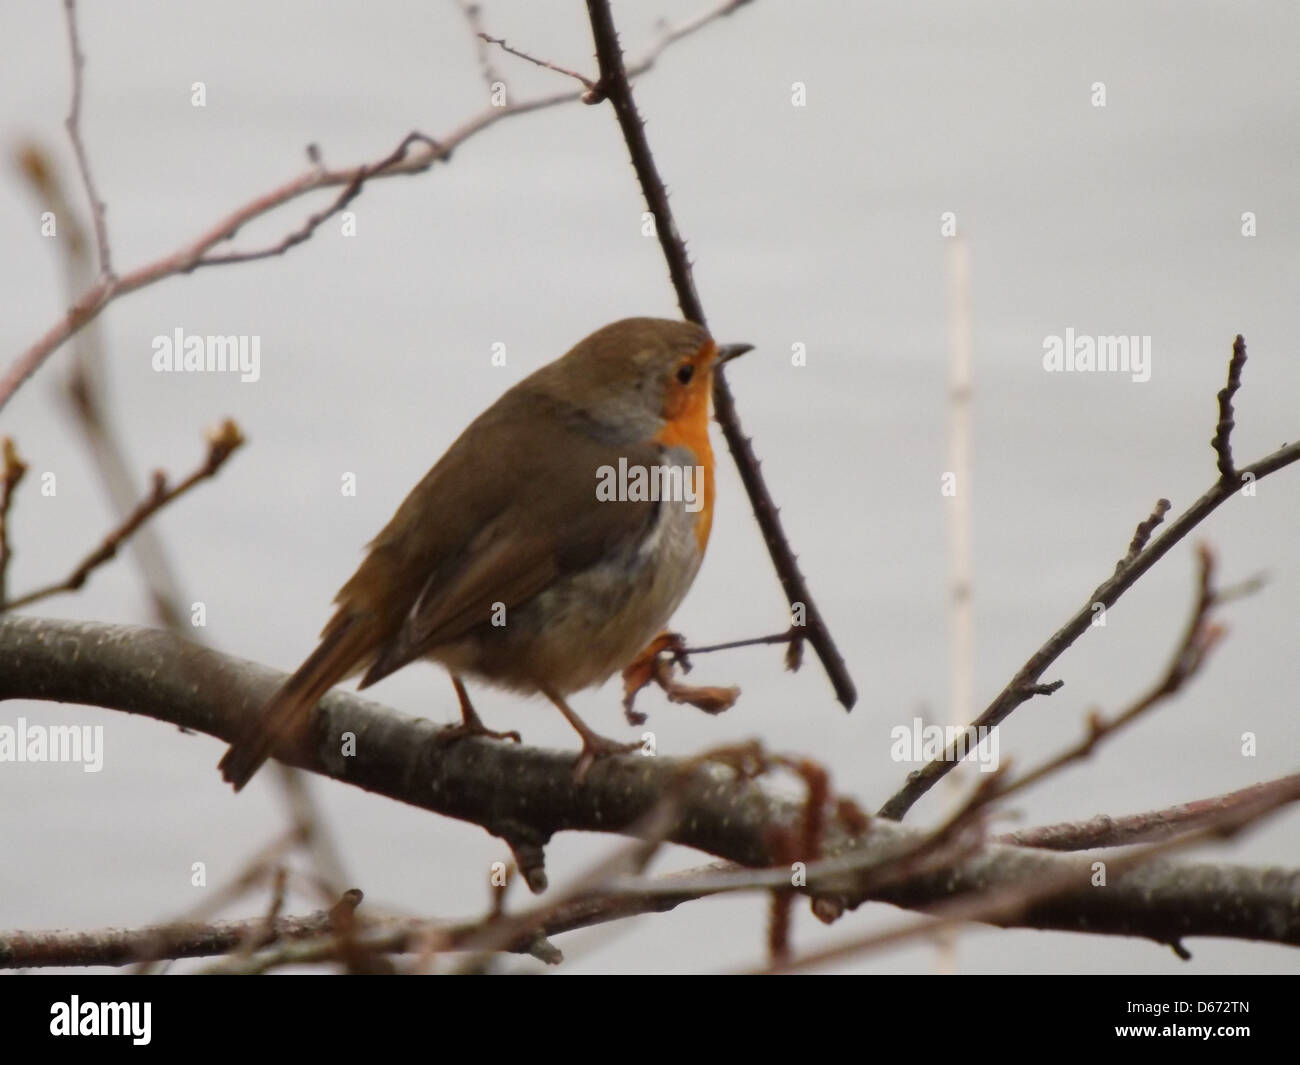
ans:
(615, 86)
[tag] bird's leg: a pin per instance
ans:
(593, 745)
(470, 723)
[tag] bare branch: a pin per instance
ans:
(119, 946)
(1104, 595)
(391, 163)
(97, 207)
(14, 468)
(221, 443)
(524, 792)
(614, 85)
(1143, 533)
(473, 13)
(85, 393)
(1199, 639)
(93, 300)
(780, 637)
(1107, 831)
(500, 42)
(1222, 440)
(1012, 905)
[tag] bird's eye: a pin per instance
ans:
(685, 372)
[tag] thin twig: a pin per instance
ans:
(1050, 688)
(500, 42)
(1143, 533)
(1107, 831)
(1199, 639)
(651, 832)
(1222, 439)
(780, 637)
(221, 443)
(473, 13)
(257, 870)
(85, 392)
(97, 206)
(390, 163)
(1106, 595)
(14, 468)
(86, 395)
(614, 85)
(86, 307)
(499, 931)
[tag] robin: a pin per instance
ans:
(549, 545)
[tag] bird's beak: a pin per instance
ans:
(727, 352)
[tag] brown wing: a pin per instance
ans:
(547, 522)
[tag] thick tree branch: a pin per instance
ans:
(526, 795)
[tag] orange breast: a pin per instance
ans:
(688, 426)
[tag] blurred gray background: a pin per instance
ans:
(816, 225)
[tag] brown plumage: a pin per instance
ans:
(508, 520)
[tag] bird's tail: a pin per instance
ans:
(344, 645)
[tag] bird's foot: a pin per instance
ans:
(595, 747)
(471, 729)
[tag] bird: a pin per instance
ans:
(536, 555)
